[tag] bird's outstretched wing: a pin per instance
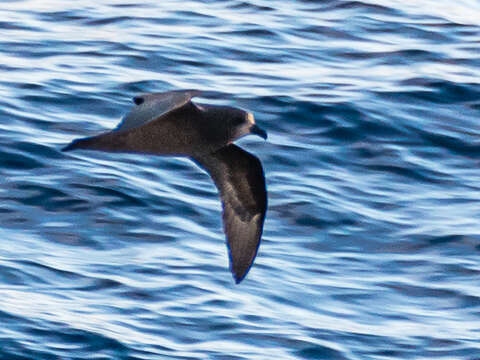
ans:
(239, 178)
(151, 106)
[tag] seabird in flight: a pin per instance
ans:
(170, 124)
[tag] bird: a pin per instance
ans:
(171, 124)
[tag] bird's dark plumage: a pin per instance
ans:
(170, 124)
(239, 178)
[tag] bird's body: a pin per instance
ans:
(169, 124)
(161, 136)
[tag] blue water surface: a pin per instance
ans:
(371, 246)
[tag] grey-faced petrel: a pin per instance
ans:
(170, 124)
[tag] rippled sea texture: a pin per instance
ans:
(371, 247)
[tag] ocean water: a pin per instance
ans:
(371, 246)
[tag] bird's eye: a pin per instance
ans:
(138, 100)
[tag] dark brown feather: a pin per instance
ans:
(239, 178)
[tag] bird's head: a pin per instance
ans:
(243, 123)
(232, 123)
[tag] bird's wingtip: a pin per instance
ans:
(238, 279)
(239, 274)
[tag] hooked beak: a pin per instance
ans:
(254, 129)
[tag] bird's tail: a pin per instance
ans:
(84, 143)
(109, 141)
